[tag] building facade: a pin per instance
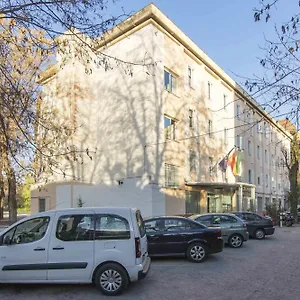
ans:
(157, 125)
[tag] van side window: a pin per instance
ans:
(111, 227)
(75, 228)
(140, 223)
(28, 231)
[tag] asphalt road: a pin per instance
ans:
(268, 269)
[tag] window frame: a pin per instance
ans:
(238, 111)
(191, 118)
(170, 131)
(225, 101)
(190, 76)
(174, 183)
(225, 136)
(171, 86)
(249, 148)
(193, 163)
(210, 128)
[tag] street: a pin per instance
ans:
(267, 269)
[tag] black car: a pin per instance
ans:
(179, 236)
(257, 226)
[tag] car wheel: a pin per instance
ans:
(111, 279)
(260, 234)
(196, 252)
(235, 241)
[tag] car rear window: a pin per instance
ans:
(140, 223)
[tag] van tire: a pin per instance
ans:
(111, 279)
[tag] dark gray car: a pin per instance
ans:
(234, 230)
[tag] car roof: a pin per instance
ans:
(165, 217)
(211, 214)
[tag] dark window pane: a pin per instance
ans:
(111, 227)
(75, 228)
(140, 223)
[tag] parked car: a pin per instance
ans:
(257, 226)
(103, 246)
(179, 236)
(234, 230)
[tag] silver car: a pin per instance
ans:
(234, 230)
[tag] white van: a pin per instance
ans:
(104, 246)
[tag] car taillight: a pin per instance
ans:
(138, 252)
(219, 234)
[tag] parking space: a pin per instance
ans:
(267, 269)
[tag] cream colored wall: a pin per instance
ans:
(120, 114)
(48, 192)
(271, 143)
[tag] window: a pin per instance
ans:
(249, 217)
(170, 81)
(238, 111)
(259, 128)
(209, 90)
(210, 159)
(75, 228)
(258, 152)
(258, 180)
(190, 76)
(226, 136)
(193, 157)
(42, 204)
(267, 180)
(178, 225)
(249, 148)
(225, 101)
(257, 217)
(249, 176)
(170, 128)
(140, 223)
(266, 156)
(28, 231)
(153, 226)
(112, 227)
(209, 130)
(205, 220)
(266, 131)
(171, 176)
(227, 219)
(239, 141)
(191, 120)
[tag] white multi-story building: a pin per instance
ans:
(157, 128)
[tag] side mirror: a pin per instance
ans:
(7, 240)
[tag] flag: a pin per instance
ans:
(232, 162)
(238, 165)
(223, 163)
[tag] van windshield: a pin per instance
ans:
(140, 223)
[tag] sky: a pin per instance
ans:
(225, 30)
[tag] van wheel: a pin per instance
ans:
(260, 234)
(235, 241)
(196, 252)
(111, 279)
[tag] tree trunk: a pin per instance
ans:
(293, 196)
(12, 196)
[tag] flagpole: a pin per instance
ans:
(223, 158)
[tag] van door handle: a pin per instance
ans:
(58, 248)
(39, 249)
